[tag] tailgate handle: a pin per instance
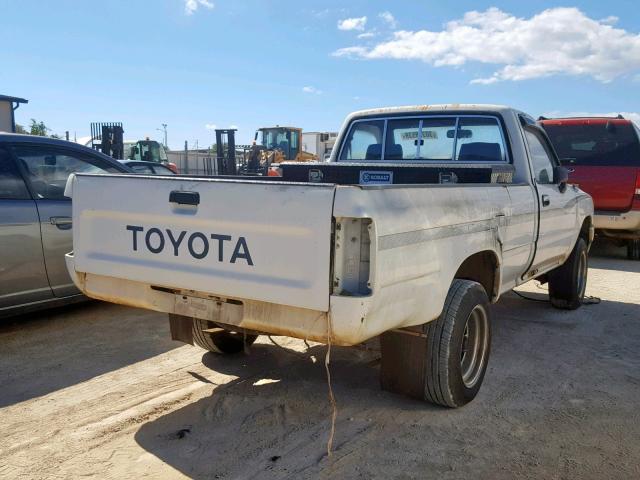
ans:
(184, 198)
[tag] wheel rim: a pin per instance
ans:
(475, 341)
(582, 274)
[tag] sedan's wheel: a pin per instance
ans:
(218, 340)
(633, 249)
(568, 282)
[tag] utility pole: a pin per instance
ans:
(164, 129)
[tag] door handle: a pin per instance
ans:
(546, 201)
(184, 198)
(63, 223)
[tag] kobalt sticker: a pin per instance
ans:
(368, 177)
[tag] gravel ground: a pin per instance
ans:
(99, 390)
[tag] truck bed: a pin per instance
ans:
(279, 256)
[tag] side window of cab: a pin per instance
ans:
(541, 158)
(364, 141)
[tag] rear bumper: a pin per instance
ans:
(614, 224)
(346, 314)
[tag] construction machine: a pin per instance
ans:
(274, 145)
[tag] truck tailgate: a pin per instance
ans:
(259, 240)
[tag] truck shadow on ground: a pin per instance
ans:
(54, 349)
(274, 419)
(278, 410)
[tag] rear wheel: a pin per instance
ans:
(447, 363)
(568, 282)
(633, 249)
(218, 340)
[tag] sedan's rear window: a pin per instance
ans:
(596, 144)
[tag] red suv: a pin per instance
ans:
(603, 158)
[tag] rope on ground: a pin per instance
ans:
(332, 399)
(591, 300)
(291, 352)
(587, 300)
(529, 298)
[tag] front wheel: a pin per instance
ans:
(568, 282)
(218, 340)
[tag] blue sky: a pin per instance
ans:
(198, 63)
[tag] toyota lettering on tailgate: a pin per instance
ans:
(198, 244)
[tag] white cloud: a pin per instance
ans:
(310, 89)
(367, 35)
(555, 41)
(191, 6)
(352, 23)
(633, 116)
(610, 20)
(210, 126)
(389, 18)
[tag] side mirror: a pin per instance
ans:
(561, 177)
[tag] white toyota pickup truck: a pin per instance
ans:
(422, 218)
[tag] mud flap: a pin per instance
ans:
(404, 357)
(181, 328)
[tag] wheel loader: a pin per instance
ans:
(274, 145)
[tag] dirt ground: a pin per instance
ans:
(99, 390)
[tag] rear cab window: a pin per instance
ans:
(595, 143)
(448, 138)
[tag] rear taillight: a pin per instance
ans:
(636, 197)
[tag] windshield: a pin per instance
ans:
(148, 151)
(281, 139)
(604, 144)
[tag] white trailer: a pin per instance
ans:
(319, 143)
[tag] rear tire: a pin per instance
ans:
(568, 282)
(443, 361)
(220, 341)
(633, 249)
(459, 344)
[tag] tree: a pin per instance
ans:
(38, 128)
(20, 129)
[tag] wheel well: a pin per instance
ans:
(585, 230)
(481, 267)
